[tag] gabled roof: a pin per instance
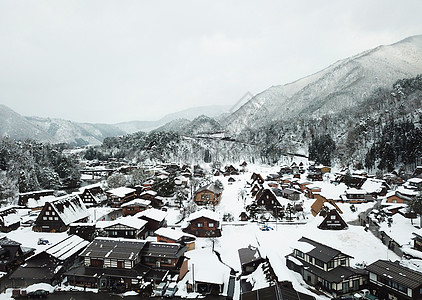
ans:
(121, 191)
(67, 247)
(129, 221)
(137, 202)
(166, 250)
(249, 254)
(204, 213)
(175, 235)
(153, 214)
(70, 208)
(9, 216)
(321, 252)
(114, 248)
(397, 273)
(212, 187)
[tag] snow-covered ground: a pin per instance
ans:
(275, 244)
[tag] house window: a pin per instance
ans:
(330, 264)
(50, 218)
(47, 213)
(319, 263)
(206, 197)
(56, 218)
(199, 225)
(210, 224)
(299, 254)
(49, 208)
(44, 218)
(333, 217)
(343, 262)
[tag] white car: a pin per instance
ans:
(171, 290)
(161, 288)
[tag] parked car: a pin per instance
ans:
(171, 290)
(38, 294)
(160, 290)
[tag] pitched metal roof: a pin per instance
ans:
(397, 273)
(249, 254)
(321, 252)
(167, 250)
(114, 248)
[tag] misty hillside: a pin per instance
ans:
(53, 131)
(212, 111)
(344, 84)
(199, 126)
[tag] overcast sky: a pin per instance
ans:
(114, 61)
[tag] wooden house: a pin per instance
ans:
(120, 195)
(230, 170)
(267, 198)
(87, 231)
(398, 197)
(285, 170)
(110, 264)
(392, 280)
(231, 180)
(49, 265)
(250, 259)
(12, 254)
(134, 206)
(167, 256)
(290, 194)
(129, 227)
(417, 240)
(311, 190)
(375, 187)
(92, 195)
(243, 216)
(156, 219)
(355, 196)
(9, 219)
(169, 235)
(333, 221)
(255, 189)
(414, 183)
(318, 204)
(203, 223)
(257, 178)
(210, 194)
(35, 195)
(57, 215)
(325, 267)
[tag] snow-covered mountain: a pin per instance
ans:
(49, 130)
(344, 84)
(212, 111)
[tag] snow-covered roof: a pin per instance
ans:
(173, 234)
(67, 247)
(130, 221)
(121, 191)
(70, 208)
(353, 191)
(302, 246)
(119, 248)
(204, 213)
(152, 213)
(137, 202)
(372, 185)
(9, 216)
(90, 186)
(149, 192)
(407, 192)
(32, 203)
(207, 267)
(415, 180)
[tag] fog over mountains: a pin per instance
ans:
(344, 84)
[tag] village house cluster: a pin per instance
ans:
(131, 238)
